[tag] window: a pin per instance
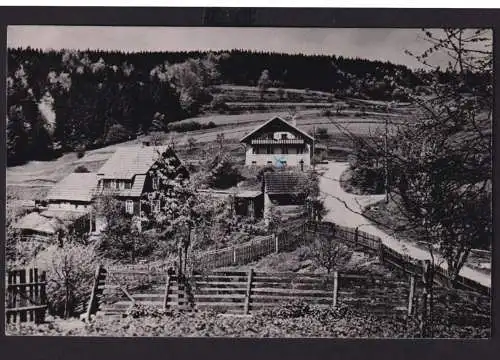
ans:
(117, 184)
(156, 206)
(129, 207)
(156, 183)
(121, 184)
(254, 162)
(128, 185)
(269, 162)
(107, 184)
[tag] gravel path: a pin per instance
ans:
(336, 200)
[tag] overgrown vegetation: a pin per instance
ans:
(290, 320)
(441, 166)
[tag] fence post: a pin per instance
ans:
(167, 288)
(43, 294)
(412, 294)
(381, 251)
(424, 317)
(234, 255)
(276, 243)
(249, 288)
(335, 287)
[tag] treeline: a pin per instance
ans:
(67, 100)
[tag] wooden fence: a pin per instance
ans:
(245, 292)
(26, 299)
(252, 250)
(373, 244)
(298, 235)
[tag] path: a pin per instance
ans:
(339, 214)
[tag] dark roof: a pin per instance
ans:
(273, 122)
(282, 182)
(75, 187)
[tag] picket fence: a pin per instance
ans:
(26, 299)
(252, 250)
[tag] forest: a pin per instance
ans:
(69, 100)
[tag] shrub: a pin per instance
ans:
(326, 112)
(184, 126)
(81, 169)
(80, 150)
(223, 172)
(116, 134)
(219, 105)
(70, 274)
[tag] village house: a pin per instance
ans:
(127, 176)
(278, 143)
(69, 207)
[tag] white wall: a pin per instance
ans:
(68, 206)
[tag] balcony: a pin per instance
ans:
(277, 142)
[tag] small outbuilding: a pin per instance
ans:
(249, 203)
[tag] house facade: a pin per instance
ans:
(278, 143)
(128, 177)
(73, 193)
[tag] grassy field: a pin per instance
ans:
(34, 179)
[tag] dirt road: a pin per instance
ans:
(344, 209)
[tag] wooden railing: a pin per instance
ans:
(26, 299)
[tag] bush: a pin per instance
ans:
(326, 112)
(81, 169)
(223, 172)
(70, 275)
(219, 105)
(189, 126)
(117, 133)
(80, 150)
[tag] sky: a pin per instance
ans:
(375, 44)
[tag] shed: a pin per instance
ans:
(249, 203)
(284, 187)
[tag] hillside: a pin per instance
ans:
(62, 101)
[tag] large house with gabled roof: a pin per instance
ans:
(279, 143)
(128, 175)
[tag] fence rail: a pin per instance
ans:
(252, 250)
(26, 299)
(246, 292)
(374, 244)
(297, 235)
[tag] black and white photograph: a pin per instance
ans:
(249, 182)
